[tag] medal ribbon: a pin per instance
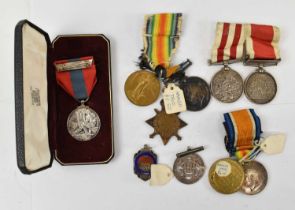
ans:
(243, 130)
(262, 42)
(161, 35)
(78, 83)
(229, 41)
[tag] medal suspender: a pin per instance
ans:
(78, 78)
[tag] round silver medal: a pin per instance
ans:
(83, 123)
(189, 169)
(260, 87)
(227, 85)
(255, 178)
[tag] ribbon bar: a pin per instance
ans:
(76, 76)
(74, 64)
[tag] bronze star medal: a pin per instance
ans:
(166, 125)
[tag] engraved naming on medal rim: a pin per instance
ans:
(83, 123)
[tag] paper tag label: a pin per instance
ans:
(223, 168)
(273, 144)
(161, 174)
(174, 100)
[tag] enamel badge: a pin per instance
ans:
(143, 160)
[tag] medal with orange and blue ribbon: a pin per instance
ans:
(78, 78)
(243, 128)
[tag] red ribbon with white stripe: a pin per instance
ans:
(228, 44)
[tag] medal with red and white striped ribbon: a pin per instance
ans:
(262, 42)
(262, 49)
(227, 84)
(228, 43)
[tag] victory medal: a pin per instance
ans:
(160, 34)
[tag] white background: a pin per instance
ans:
(114, 186)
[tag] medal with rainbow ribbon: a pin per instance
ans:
(161, 34)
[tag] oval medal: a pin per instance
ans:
(143, 160)
(196, 92)
(142, 88)
(255, 178)
(260, 87)
(227, 85)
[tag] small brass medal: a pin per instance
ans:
(166, 125)
(226, 176)
(142, 88)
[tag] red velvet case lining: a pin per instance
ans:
(68, 150)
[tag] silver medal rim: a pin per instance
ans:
(246, 85)
(97, 117)
(262, 169)
(182, 179)
(228, 71)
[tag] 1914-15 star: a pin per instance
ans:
(165, 125)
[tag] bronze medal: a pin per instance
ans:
(196, 92)
(255, 178)
(165, 125)
(226, 176)
(142, 88)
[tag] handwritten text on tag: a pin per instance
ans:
(174, 99)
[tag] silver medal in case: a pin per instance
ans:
(83, 123)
